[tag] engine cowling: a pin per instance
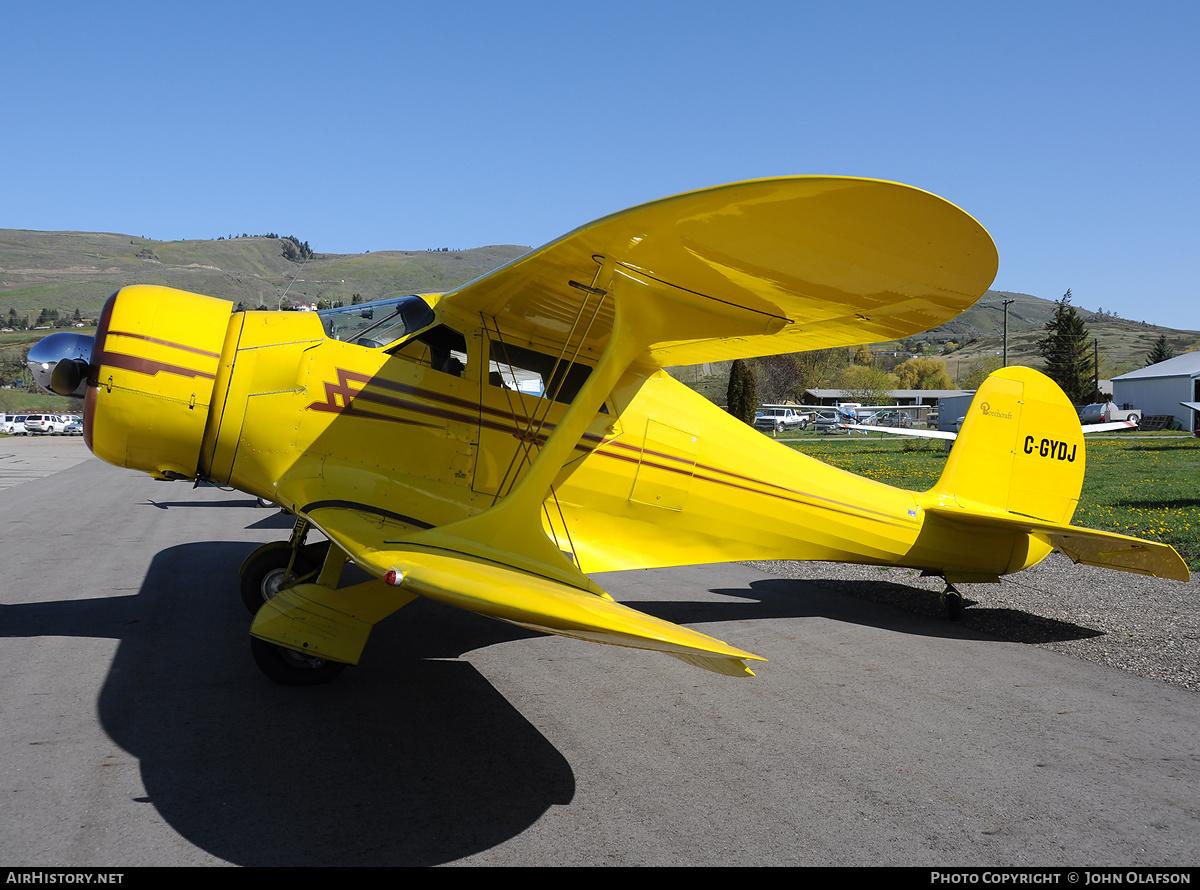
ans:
(150, 381)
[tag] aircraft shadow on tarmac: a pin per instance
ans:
(412, 759)
(914, 610)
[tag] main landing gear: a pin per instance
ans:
(268, 570)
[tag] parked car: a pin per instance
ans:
(73, 428)
(44, 424)
(776, 420)
(892, 419)
(828, 422)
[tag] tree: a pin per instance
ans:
(862, 355)
(1067, 353)
(978, 371)
(923, 373)
(742, 395)
(777, 377)
(867, 385)
(819, 368)
(1161, 352)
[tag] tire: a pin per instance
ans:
(289, 668)
(953, 602)
(265, 574)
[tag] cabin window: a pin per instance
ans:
(535, 373)
(376, 324)
(447, 349)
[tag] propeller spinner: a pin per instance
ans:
(60, 362)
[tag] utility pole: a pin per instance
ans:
(1006, 302)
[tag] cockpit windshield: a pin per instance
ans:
(377, 324)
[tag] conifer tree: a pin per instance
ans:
(742, 395)
(1161, 352)
(1065, 348)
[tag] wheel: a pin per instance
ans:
(803, 424)
(290, 668)
(1132, 418)
(953, 602)
(266, 573)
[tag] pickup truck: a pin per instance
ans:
(776, 420)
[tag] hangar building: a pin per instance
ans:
(1158, 389)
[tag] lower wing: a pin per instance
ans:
(490, 585)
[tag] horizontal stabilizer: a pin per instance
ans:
(1090, 547)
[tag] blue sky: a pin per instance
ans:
(1070, 130)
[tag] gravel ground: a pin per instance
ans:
(1146, 626)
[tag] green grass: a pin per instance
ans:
(1145, 487)
(16, 401)
(914, 465)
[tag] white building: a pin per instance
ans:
(1158, 389)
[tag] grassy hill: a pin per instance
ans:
(69, 270)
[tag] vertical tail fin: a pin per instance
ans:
(1020, 449)
(1017, 469)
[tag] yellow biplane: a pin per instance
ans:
(492, 446)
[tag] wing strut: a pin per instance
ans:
(528, 437)
(504, 533)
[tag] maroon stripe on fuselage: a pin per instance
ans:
(103, 356)
(90, 395)
(171, 343)
(89, 414)
(149, 366)
(589, 444)
(101, 336)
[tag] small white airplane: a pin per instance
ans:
(949, 436)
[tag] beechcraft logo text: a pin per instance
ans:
(988, 411)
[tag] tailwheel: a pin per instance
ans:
(952, 600)
(288, 667)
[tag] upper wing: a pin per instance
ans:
(754, 268)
